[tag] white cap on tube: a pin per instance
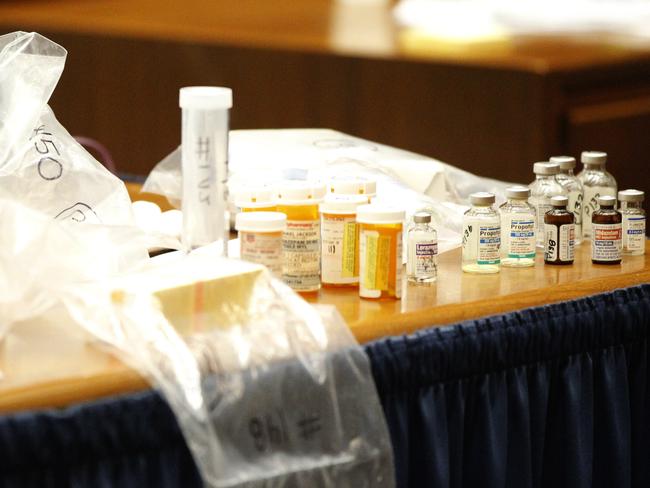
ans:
(205, 98)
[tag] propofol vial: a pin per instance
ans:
(574, 189)
(481, 235)
(299, 200)
(422, 250)
(631, 208)
(518, 226)
(542, 190)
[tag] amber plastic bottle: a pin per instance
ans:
(607, 232)
(559, 233)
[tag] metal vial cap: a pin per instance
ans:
(631, 196)
(546, 168)
(518, 192)
(606, 201)
(565, 162)
(482, 199)
(559, 201)
(594, 158)
(422, 218)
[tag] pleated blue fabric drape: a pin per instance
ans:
(554, 396)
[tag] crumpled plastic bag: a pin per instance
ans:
(415, 182)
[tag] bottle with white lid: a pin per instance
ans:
(518, 226)
(422, 250)
(481, 235)
(256, 199)
(631, 208)
(574, 188)
(349, 185)
(204, 161)
(607, 232)
(542, 190)
(260, 238)
(596, 182)
(381, 231)
(299, 200)
(340, 240)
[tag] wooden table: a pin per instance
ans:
(45, 365)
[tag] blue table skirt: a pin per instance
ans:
(549, 396)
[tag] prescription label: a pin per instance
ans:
(590, 205)
(520, 237)
(606, 242)
(559, 241)
(339, 249)
(301, 248)
(260, 248)
(634, 233)
(489, 244)
(375, 264)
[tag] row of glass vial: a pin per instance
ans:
(556, 178)
(508, 237)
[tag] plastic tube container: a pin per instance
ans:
(262, 199)
(299, 200)
(381, 231)
(340, 240)
(347, 185)
(260, 238)
(204, 156)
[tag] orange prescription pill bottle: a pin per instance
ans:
(340, 240)
(381, 230)
(256, 199)
(350, 185)
(260, 238)
(299, 200)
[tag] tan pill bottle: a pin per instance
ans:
(340, 240)
(260, 238)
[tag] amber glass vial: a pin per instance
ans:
(607, 232)
(559, 233)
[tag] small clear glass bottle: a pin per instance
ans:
(631, 208)
(596, 182)
(542, 190)
(607, 232)
(559, 233)
(422, 245)
(574, 188)
(518, 224)
(481, 236)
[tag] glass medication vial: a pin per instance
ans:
(596, 182)
(299, 200)
(204, 161)
(340, 240)
(631, 208)
(559, 233)
(481, 235)
(518, 225)
(260, 238)
(574, 188)
(256, 199)
(607, 232)
(542, 190)
(347, 185)
(381, 230)
(422, 250)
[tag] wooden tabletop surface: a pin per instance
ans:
(323, 26)
(45, 365)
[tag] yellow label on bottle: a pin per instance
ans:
(377, 265)
(350, 232)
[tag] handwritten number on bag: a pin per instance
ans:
(49, 168)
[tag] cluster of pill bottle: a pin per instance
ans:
(422, 250)
(340, 240)
(559, 233)
(574, 189)
(381, 231)
(299, 201)
(631, 208)
(481, 235)
(348, 185)
(596, 182)
(260, 238)
(518, 224)
(542, 190)
(256, 199)
(606, 232)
